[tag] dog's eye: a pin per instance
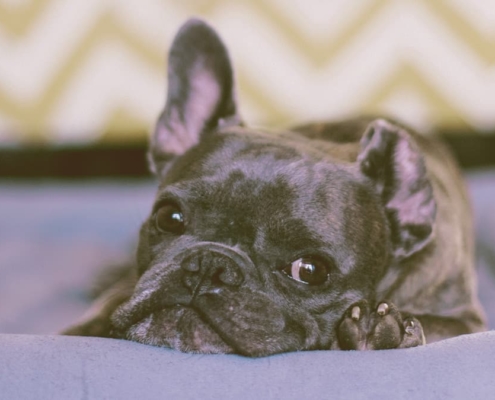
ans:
(307, 270)
(169, 218)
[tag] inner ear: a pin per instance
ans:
(392, 159)
(200, 93)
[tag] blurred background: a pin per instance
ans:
(82, 81)
(92, 71)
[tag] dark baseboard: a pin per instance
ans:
(129, 161)
(75, 162)
(473, 150)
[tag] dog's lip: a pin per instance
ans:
(169, 338)
(128, 315)
(157, 310)
(122, 330)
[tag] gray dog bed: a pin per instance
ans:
(50, 367)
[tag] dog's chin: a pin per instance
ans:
(179, 328)
(212, 324)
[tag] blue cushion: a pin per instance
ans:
(56, 367)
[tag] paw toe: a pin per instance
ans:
(382, 309)
(413, 333)
(356, 313)
(352, 329)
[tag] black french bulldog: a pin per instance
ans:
(347, 235)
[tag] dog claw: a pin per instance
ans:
(382, 309)
(409, 328)
(356, 313)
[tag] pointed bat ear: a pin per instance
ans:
(200, 93)
(392, 159)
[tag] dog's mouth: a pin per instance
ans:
(178, 327)
(168, 321)
(213, 323)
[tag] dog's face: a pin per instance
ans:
(257, 242)
(254, 246)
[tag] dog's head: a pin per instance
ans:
(258, 242)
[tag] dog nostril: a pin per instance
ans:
(216, 278)
(192, 265)
(226, 276)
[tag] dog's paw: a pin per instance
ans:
(363, 328)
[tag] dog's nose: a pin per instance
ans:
(207, 268)
(213, 269)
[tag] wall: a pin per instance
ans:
(83, 71)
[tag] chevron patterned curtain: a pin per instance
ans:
(92, 71)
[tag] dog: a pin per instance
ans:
(352, 235)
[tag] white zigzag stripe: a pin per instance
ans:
(29, 64)
(480, 13)
(410, 108)
(112, 77)
(155, 24)
(316, 19)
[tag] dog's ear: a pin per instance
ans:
(200, 95)
(392, 159)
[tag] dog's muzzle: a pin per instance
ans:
(207, 268)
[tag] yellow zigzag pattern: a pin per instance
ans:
(32, 115)
(484, 46)
(31, 119)
(18, 20)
